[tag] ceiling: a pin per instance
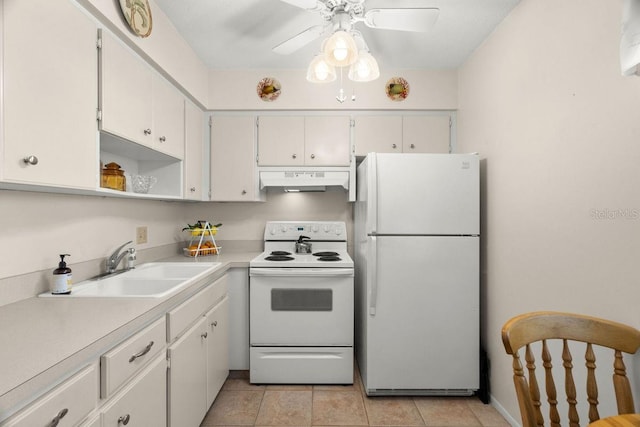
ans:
(239, 34)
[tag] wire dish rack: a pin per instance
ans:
(202, 241)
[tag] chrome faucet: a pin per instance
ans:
(114, 260)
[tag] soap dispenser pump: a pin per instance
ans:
(61, 280)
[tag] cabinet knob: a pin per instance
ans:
(124, 420)
(54, 422)
(30, 160)
(192, 189)
(394, 146)
(162, 138)
(204, 335)
(147, 131)
(295, 156)
(313, 156)
(412, 146)
(244, 192)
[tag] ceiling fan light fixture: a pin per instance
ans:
(365, 69)
(340, 49)
(320, 71)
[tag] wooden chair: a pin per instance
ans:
(543, 327)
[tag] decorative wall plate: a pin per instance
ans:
(397, 89)
(269, 89)
(137, 13)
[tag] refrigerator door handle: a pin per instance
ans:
(372, 266)
(372, 202)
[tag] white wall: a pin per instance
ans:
(237, 90)
(544, 103)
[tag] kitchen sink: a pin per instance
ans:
(151, 280)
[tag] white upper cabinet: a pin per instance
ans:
(168, 118)
(194, 152)
(425, 134)
(50, 94)
(304, 141)
(402, 134)
(233, 159)
(136, 103)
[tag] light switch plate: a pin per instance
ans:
(141, 235)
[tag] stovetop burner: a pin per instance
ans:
(326, 254)
(330, 258)
(280, 253)
(279, 258)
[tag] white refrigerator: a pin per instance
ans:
(417, 273)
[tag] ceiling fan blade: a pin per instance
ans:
(412, 19)
(306, 4)
(299, 40)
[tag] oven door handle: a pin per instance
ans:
(301, 272)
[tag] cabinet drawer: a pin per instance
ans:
(181, 317)
(69, 403)
(123, 361)
(143, 402)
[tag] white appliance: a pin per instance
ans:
(417, 274)
(301, 306)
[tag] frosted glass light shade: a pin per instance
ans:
(320, 71)
(365, 69)
(340, 49)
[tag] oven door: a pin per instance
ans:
(301, 306)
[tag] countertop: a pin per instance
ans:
(45, 338)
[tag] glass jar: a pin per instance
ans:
(113, 177)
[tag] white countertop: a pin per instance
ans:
(44, 338)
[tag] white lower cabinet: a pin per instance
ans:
(65, 405)
(143, 401)
(197, 354)
(217, 348)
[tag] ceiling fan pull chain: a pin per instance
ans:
(341, 97)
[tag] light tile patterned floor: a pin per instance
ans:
(243, 404)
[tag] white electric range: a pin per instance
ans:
(301, 305)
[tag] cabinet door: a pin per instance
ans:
(125, 93)
(327, 141)
(168, 118)
(233, 159)
(378, 134)
(281, 141)
(49, 112)
(425, 134)
(143, 402)
(194, 152)
(217, 348)
(187, 379)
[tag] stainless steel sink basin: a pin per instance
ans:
(151, 280)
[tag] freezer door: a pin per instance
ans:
(422, 317)
(425, 194)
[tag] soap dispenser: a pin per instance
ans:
(61, 280)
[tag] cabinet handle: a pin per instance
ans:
(147, 131)
(394, 146)
(124, 419)
(192, 189)
(54, 422)
(204, 335)
(412, 146)
(30, 160)
(295, 156)
(214, 323)
(244, 192)
(313, 156)
(162, 138)
(142, 353)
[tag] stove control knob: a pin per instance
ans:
(283, 229)
(338, 231)
(327, 228)
(272, 231)
(314, 228)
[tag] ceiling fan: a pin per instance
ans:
(344, 14)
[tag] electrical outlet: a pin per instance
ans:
(141, 235)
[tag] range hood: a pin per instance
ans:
(305, 180)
